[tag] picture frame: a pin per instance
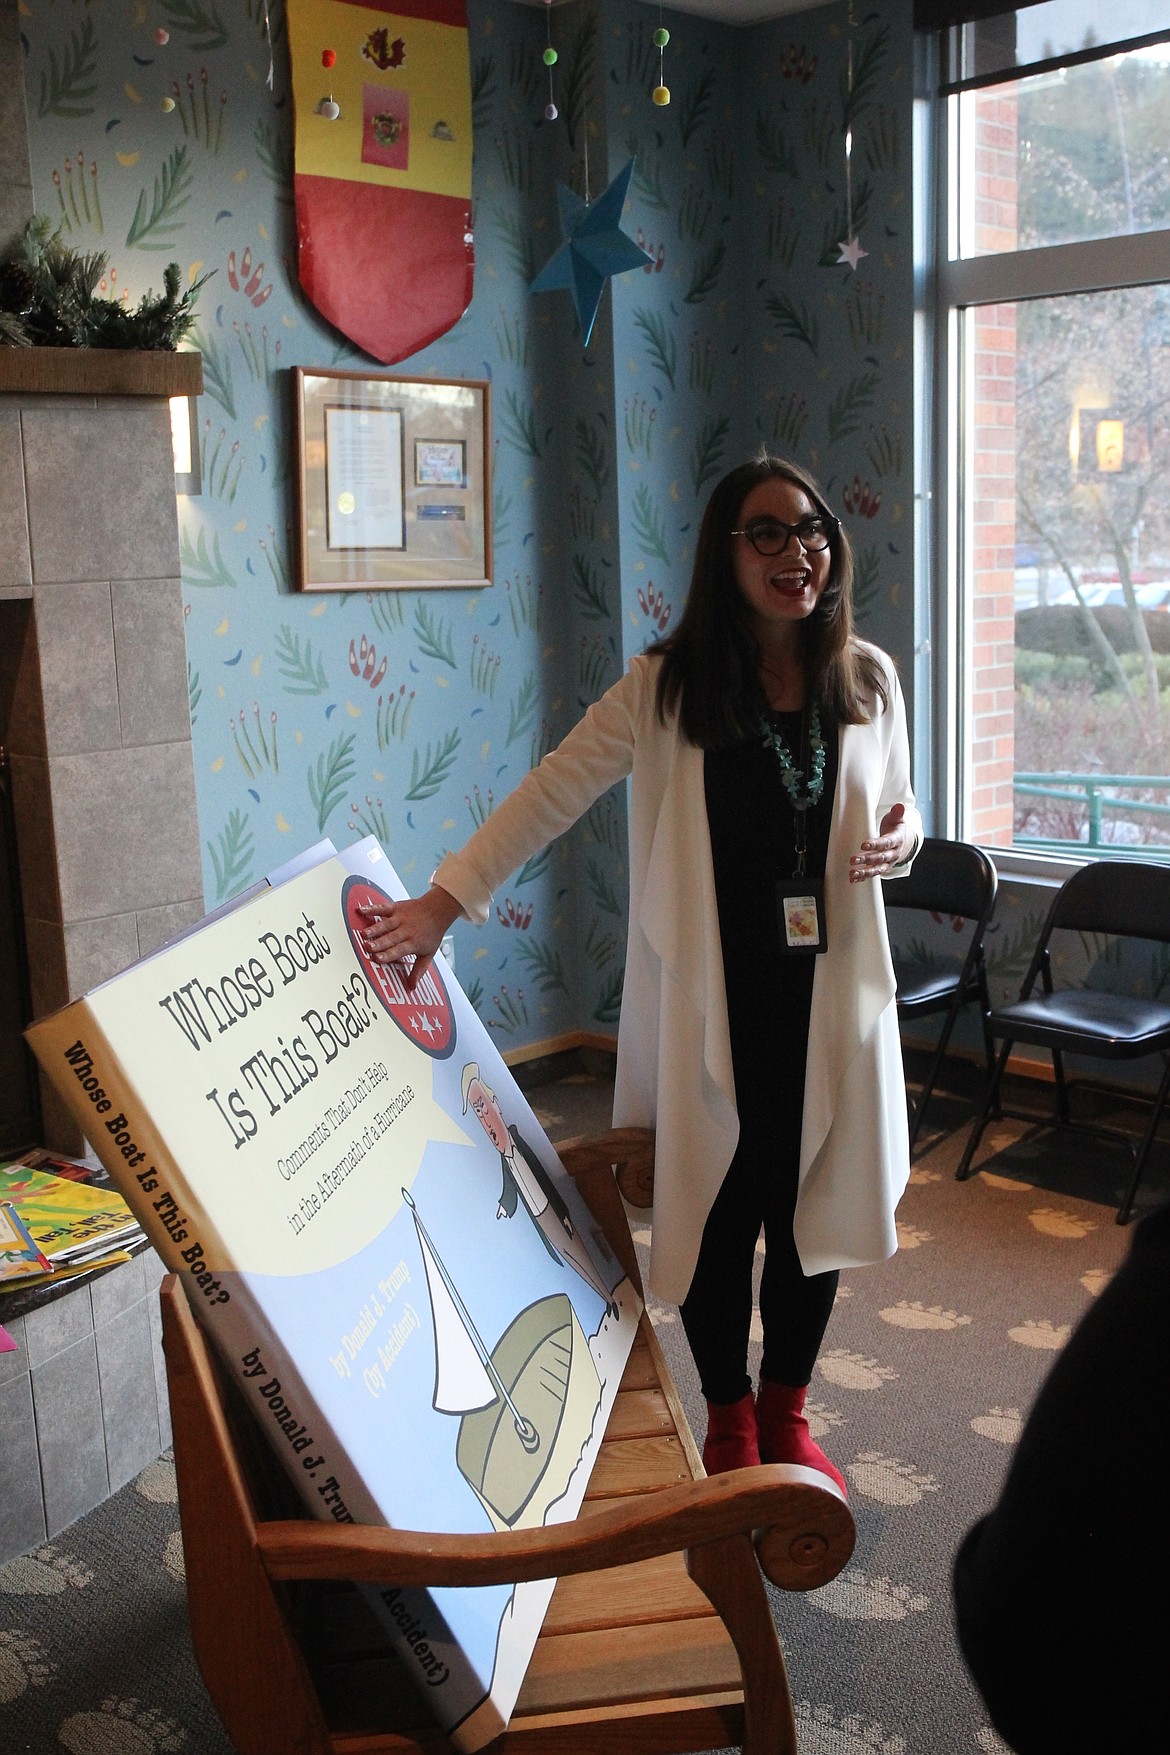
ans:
(393, 485)
(440, 463)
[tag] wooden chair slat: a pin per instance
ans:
(626, 1466)
(654, 1727)
(640, 1413)
(650, 1590)
(576, 1672)
(641, 1372)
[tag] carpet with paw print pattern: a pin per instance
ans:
(929, 1366)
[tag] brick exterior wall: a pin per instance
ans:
(991, 490)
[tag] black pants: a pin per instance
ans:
(758, 1192)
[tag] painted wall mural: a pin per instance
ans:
(155, 136)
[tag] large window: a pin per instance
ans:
(1054, 460)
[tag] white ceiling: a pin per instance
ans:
(741, 11)
(723, 11)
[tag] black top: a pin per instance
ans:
(753, 842)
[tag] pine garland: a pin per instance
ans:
(48, 298)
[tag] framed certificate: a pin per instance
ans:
(392, 482)
(363, 478)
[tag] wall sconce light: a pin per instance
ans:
(185, 445)
(1110, 446)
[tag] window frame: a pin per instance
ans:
(949, 286)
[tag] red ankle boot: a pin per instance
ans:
(783, 1431)
(731, 1441)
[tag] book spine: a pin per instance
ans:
(87, 1074)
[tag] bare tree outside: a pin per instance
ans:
(1092, 424)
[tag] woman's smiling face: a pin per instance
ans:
(784, 587)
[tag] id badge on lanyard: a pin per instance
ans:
(800, 915)
(800, 901)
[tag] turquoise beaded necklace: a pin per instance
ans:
(790, 774)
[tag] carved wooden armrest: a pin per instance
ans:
(805, 1537)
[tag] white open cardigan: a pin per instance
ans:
(674, 1068)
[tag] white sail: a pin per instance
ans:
(461, 1383)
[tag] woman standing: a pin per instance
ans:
(770, 782)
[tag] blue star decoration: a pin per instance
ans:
(594, 248)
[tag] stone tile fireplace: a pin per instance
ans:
(94, 714)
(95, 728)
(95, 725)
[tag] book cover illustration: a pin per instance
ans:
(19, 1254)
(54, 1164)
(378, 1235)
(70, 1220)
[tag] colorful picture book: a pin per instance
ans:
(376, 1233)
(19, 1254)
(72, 1169)
(71, 1222)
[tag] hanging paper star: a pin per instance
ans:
(850, 252)
(594, 248)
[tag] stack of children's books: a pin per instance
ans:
(53, 1224)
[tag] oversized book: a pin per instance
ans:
(375, 1232)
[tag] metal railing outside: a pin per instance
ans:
(1091, 791)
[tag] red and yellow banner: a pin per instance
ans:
(383, 189)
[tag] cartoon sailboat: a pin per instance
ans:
(526, 1409)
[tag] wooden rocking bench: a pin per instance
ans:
(659, 1635)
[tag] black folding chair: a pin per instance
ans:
(953, 878)
(1122, 899)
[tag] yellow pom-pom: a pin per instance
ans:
(167, 103)
(661, 94)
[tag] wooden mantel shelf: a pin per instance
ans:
(94, 371)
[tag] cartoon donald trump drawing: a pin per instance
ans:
(527, 1182)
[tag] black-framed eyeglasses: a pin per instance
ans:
(771, 536)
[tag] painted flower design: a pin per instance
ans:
(862, 499)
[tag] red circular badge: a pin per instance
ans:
(424, 1014)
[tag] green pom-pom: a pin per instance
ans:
(661, 38)
(549, 57)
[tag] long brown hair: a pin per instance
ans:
(711, 663)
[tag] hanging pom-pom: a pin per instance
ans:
(661, 92)
(549, 57)
(328, 57)
(167, 103)
(162, 37)
(329, 109)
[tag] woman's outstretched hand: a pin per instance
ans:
(413, 928)
(892, 848)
